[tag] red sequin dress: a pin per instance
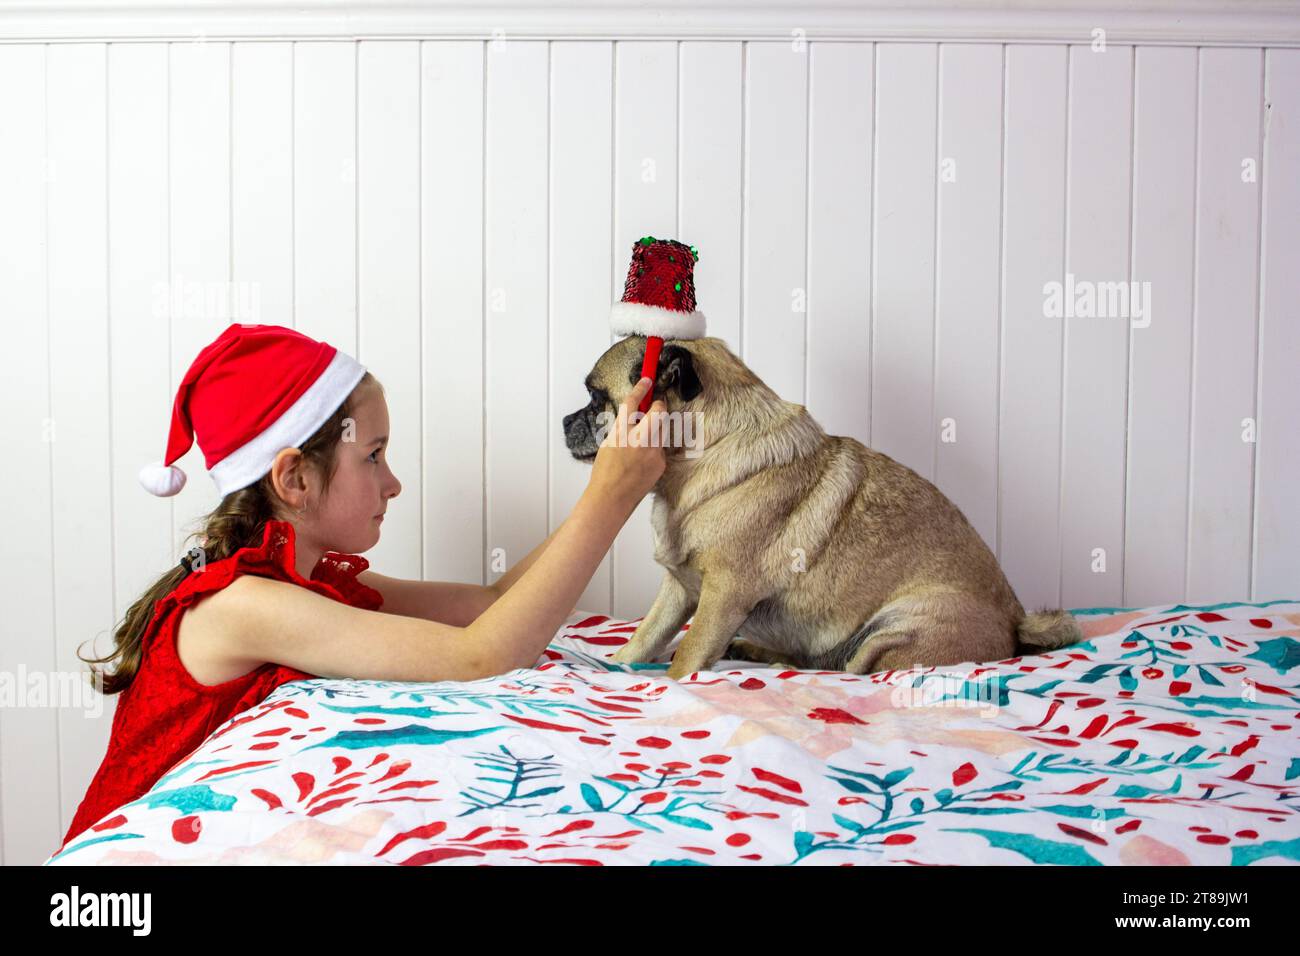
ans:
(165, 714)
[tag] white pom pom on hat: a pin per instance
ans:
(162, 480)
(252, 392)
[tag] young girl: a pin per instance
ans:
(294, 434)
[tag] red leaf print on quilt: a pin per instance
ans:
(833, 715)
(768, 776)
(1181, 730)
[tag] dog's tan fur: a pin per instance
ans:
(820, 552)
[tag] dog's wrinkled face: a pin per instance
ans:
(613, 377)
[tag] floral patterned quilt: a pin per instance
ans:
(1168, 737)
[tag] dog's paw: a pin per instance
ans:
(678, 671)
(624, 655)
(739, 650)
(743, 650)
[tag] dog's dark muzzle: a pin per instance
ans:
(580, 429)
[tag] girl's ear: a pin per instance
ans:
(288, 478)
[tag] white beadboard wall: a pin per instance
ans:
(878, 197)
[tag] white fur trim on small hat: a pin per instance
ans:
(637, 318)
(246, 464)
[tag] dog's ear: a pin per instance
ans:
(676, 371)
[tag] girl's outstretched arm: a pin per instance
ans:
(448, 602)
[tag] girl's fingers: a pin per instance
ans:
(621, 423)
(649, 423)
(633, 400)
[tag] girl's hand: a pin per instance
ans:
(630, 469)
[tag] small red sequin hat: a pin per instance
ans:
(658, 299)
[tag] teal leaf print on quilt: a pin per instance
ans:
(590, 795)
(1035, 849)
(393, 736)
(987, 691)
(1133, 790)
(1279, 653)
(985, 811)
(1225, 702)
(1218, 607)
(1249, 853)
(421, 712)
(675, 862)
(189, 799)
(1085, 810)
(515, 773)
(1097, 672)
(639, 805)
(1207, 677)
(99, 839)
(685, 821)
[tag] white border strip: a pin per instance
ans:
(246, 464)
(1273, 23)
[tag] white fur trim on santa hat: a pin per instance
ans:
(637, 318)
(246, 464)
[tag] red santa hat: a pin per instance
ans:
(658, 300)
(256, 390)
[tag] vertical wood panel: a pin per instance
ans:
(388, 245)
(966, 282)
(199, 274)
(325, 192)
(1276, 557)
(261, 182)
(1225, 323)
(645, 204)
(581, 147)
(776, 190)
(451, 215)
(1033, 217)
(710, 162)
(77, 293)
(29, 777)
(1094, 389)
(1164, 150)
(903, 247)
(140, 373)
(840, 96)
(515, 416)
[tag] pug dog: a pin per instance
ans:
(787, 546)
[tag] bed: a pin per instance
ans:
(1168, 737)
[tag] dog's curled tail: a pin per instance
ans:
(1047, 630)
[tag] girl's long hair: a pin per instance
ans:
(239, 521)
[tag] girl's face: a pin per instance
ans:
(349, 515)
